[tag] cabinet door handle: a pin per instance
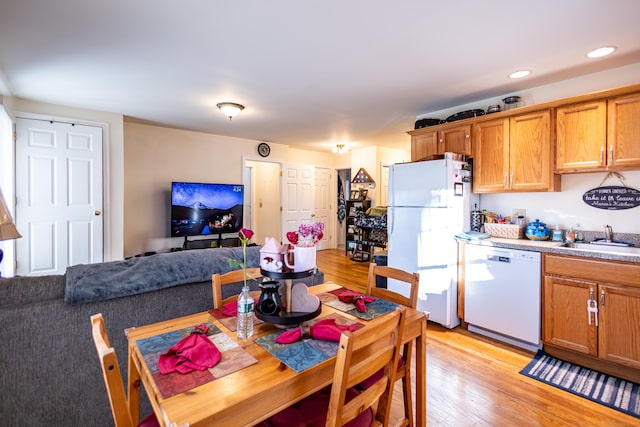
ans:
(611, 155)
(592, 307)
(601, 154)
(602, 298)
(504, 181)
(467, 136)
(511, 181)
(441, 140)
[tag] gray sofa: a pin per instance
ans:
(49, 369)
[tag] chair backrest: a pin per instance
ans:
(413, 279)
(361, 354)
(219, 280)
(111, 373)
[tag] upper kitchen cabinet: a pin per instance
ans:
(581, 131)
(423, 144)
(427, 142)
(623, 131)
(513, 154)
(599, 135)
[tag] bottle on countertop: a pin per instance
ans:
(557, 234)
(570, 236)
(578, 231)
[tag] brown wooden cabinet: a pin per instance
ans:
(491, 156)
(424, 144)
(427, 142)
(513, 154)
(623, 131)
(612, 335)
(598, 135)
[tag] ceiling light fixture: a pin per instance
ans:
(519, 74)
(601, 51)
(340, 148)
(230, 109)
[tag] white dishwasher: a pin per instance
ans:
(502, 294)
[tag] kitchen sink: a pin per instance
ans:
(604, 247)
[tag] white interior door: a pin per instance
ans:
(59, 196)
(297, 197)
(323, 206)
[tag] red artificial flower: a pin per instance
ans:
(245, 234)
(292, 237)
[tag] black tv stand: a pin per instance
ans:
(215, 242)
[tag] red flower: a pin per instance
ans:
(245, 234)
(292, 237)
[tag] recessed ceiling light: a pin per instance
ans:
(519, 74)
(601, 51)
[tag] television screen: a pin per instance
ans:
(201, 209)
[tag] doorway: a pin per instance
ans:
(343, 188)
(263, 199)
(278, 198)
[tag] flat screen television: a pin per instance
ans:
(202, 209)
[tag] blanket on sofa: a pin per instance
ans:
(108, 280)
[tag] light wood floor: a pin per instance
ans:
(475, 381)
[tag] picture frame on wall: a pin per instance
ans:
(363, 194)
(354, 195)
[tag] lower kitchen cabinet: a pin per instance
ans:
(592, 308)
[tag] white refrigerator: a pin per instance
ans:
(429, 203)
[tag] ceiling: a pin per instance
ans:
(310, 73)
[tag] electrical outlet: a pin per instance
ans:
(519, 212)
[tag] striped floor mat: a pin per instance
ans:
(601, 388)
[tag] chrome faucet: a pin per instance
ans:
(608, 233)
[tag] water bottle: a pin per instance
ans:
(245, 314)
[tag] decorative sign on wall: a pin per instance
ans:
(612, 197)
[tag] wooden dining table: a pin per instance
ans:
(254, 393)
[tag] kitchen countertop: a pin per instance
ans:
(553, 247)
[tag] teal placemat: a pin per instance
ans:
(374, 309)
(233, 359)
(303, 353)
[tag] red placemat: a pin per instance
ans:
(233, 359)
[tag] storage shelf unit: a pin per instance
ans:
(369, 239)
(353, 233)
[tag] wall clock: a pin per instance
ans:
(264, 149)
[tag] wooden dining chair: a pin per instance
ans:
(113, 379)
(219, 280)
(413, 279)
(361, 354)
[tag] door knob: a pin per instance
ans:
(97, 212)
